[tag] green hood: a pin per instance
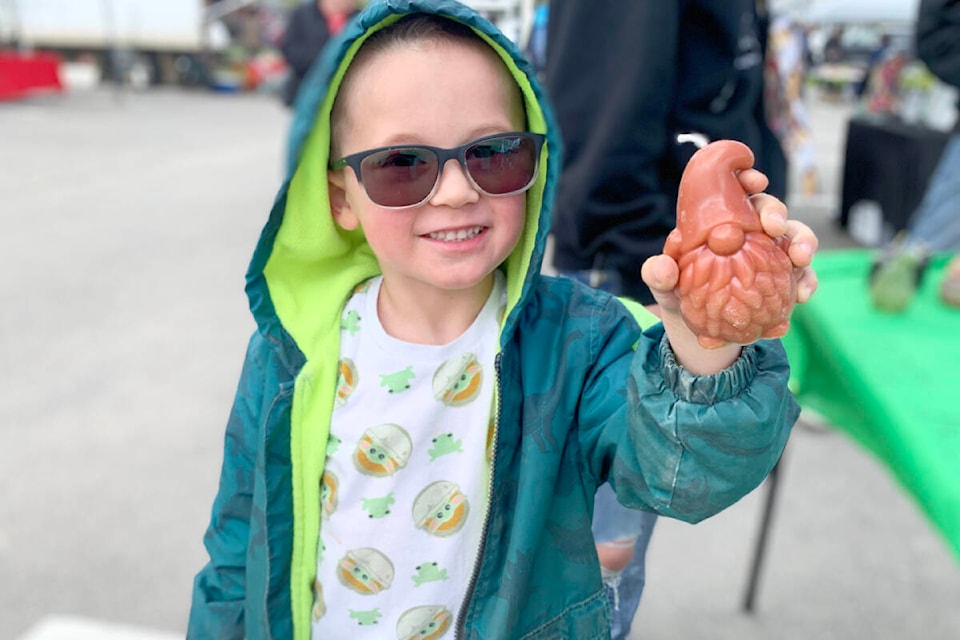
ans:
(305, 266)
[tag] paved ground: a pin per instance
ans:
(127, 225)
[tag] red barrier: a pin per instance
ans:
(22, 74)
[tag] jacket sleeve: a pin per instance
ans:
(938, 38)
(682, 445)
(217, 609)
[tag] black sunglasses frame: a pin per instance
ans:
(355, 160)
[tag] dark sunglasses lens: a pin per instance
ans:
(399, 177)
(503, 165)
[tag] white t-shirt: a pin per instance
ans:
(405, 485)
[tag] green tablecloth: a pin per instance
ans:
(890, 381)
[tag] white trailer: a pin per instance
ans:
(120, 33)
(139, 25)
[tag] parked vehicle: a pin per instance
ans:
(149, 40)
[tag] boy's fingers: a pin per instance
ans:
(660, 273)
(773, 218)
(806, 285)
(753, 181)
(803, 243)
(773, 214)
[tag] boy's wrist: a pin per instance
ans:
(690, 355)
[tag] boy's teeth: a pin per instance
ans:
(456, 236)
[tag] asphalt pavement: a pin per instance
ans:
(127, 223)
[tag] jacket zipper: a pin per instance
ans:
(474, 576)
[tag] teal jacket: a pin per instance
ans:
(584, 397)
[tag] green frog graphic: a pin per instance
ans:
(378, 507)
(350, 322)
(365, 618)
(428, 572)
(397, 382)
(444, 444)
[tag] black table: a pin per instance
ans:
(888, 162)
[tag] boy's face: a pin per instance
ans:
(444, 95)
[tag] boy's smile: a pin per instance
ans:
(456, 236)
(440, 94)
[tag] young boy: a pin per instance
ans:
(423, 419)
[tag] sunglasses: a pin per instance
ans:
(403, 176)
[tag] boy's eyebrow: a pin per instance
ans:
(473, 134)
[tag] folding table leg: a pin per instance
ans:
(761, 546)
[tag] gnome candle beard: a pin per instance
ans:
(736, 282)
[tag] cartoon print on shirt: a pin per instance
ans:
(428, 572)
(441, 509)
(366, 571)
(365, 618)
(361, 508)
(457, 381)
(378, 507)
(347, 380)
(350, 322)
(333, 445)
(319, 607)
(362, 287)
(383, 450)
(397, 382)
(329, 484)
(444, 444)
(491, 439)
(424, 623)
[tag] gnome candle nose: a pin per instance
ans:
(736, 282)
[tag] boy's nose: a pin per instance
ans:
(455, 188)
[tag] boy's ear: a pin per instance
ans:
(340, 208)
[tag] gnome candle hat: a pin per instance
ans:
(712, 207)
(736, 282)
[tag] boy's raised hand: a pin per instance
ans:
(661, 273)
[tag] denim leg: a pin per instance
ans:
(632, 580)
(614, 523)
(936, 223)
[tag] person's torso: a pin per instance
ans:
(537, 570)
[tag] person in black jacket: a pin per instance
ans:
(626, 78)
(935, 225)
(309, 27)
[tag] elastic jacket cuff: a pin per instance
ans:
(708, 389)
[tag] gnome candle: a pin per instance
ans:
(736, 282)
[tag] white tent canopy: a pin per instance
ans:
(859, 11)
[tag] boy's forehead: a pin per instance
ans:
(424, 51)
(370, 75)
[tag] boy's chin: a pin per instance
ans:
(452, 283)
(464, 283)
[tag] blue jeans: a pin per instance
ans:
(936, 222)
(614, 524)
